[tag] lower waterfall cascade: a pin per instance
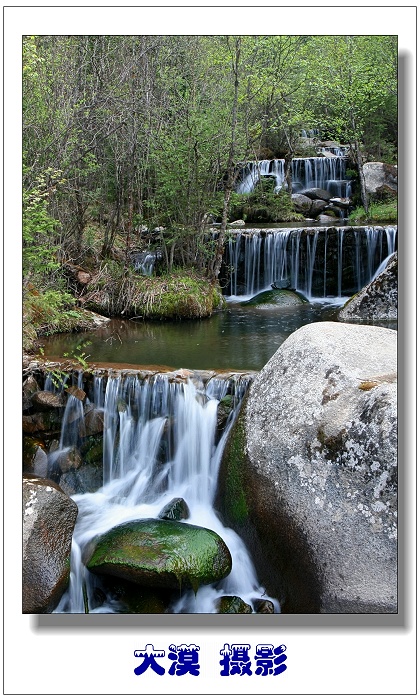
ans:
(161, 440)
(320, 262)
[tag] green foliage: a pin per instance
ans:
(47, 312)
(142, 130)
(379, 213)
(39, 228)
(264, 205)
(79, 354)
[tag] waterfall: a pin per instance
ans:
(320, 262)
(160, 442)
(325, 173)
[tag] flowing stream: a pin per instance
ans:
(162, 436)
(161, 441)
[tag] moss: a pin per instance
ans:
(164, 553)
(235, 498)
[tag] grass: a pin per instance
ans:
(379, 212)
(48, 312)
(118, 291)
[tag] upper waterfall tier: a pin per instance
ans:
(318, 261)
(322, 172)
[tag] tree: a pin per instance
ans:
(355, 90)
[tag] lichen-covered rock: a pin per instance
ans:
(380, 177)
(378, 300)
(49, 517)
(162, 553)
(309, 476)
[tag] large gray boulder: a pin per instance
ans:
(301, 203)
(380, 178)
(378, 300)
(309, 475)
(49, 517)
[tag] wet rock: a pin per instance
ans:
(341, 202)
(317, 193)
(378, 300)
(177, 509)
(92, 449)
(317, 206)
(229, 604)
(30, 387)
(46, 422)
(66, 459)
(94, 421)
(276, 297)
(281, 283)
(49, 517)
(263, 606)
(161, 553)
(224, 410)
(35, 458)
(46, 400)
(301, 203)
(86, 479)
(77, 392)
(136, 599)
(326, 219)
(309, 474)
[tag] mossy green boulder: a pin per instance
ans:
(276, 297)
(162, 553)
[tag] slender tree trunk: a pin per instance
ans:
(230, 180)
(359, 163)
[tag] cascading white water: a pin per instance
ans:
(263, 168)
(324, 173)
(159, 443)
(257, 258)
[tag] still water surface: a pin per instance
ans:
(237, 338)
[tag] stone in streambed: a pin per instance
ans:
(263, 606)
(47, 400)
(162, 553)
(177, 509)
(49, 517)
(232, 604)
(378, 300)
(275, 297)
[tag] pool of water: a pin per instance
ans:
(237, 338)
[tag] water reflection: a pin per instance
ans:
(240, 338)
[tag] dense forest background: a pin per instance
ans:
(128, 135)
